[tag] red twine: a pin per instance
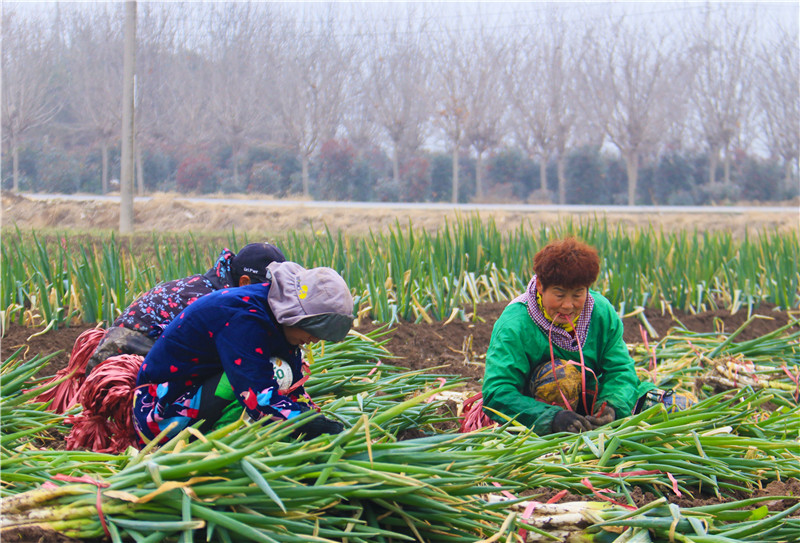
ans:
(106, 423)
(442, 382)
(65, 394)
(582, 364)
(653, 361)
(795, 380)
(523, 533)
(473, 418)
(98, 503)
(599, 494)
(674, 485)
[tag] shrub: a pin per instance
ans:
(160, 169)
(60, 171)
(27, 169)
(587, 182)
(681, 198)
(195, 174)
(265, 177)
(284, 164)
(336, 170)
(416, 180)
(511, 167)
(672, 181)
(719, 193)
(441, 177)
(759, 180)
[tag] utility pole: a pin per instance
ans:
(129, 69)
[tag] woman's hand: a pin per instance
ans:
(570, 421)
(605, 415)
(318, 426)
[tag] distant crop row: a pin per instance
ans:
(407, 273)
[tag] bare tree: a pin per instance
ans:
(238, 84)
(632, 79)
(397, 91)
(181, 113)
(155, 58)
(451, 90)
(95, 60)
(723, 98)
(29, 83)
(128, 131)
(358, 117)
(310, 71)
(541, 89)
(485, 112)
(779, 98)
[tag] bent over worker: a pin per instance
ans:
(239, 348)
(142, 322)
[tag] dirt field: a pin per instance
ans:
(167, 213)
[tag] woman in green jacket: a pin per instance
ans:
(557, 361)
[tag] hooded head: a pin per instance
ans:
(316, 300)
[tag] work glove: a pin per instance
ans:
(569, 421)
(318, 426)
(602, 417)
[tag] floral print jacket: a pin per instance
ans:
(152, 311)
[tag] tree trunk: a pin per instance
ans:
(479, 177)
(632, 162)
(713, 160)
(561, 166)
(787, 175)
(235, 172)
(15, 164)
(304, 165)
(726, 165)
(235, 159)
(139, 171)
(543, 173)
(104, 172)
(396, 163)
(455, 174)
(128, 128)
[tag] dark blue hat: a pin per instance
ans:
(253, 260)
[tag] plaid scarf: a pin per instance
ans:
(561, 336)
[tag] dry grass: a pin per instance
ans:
(168, 213)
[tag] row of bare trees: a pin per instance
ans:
(555, 78)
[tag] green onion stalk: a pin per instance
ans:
(255, 483)
(706, 363)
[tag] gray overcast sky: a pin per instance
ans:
(507, 15)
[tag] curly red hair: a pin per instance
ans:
(567, 263)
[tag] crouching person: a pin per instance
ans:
(238, 348)
(137, 328)
(557, 361)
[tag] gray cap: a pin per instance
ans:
(316, 300)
